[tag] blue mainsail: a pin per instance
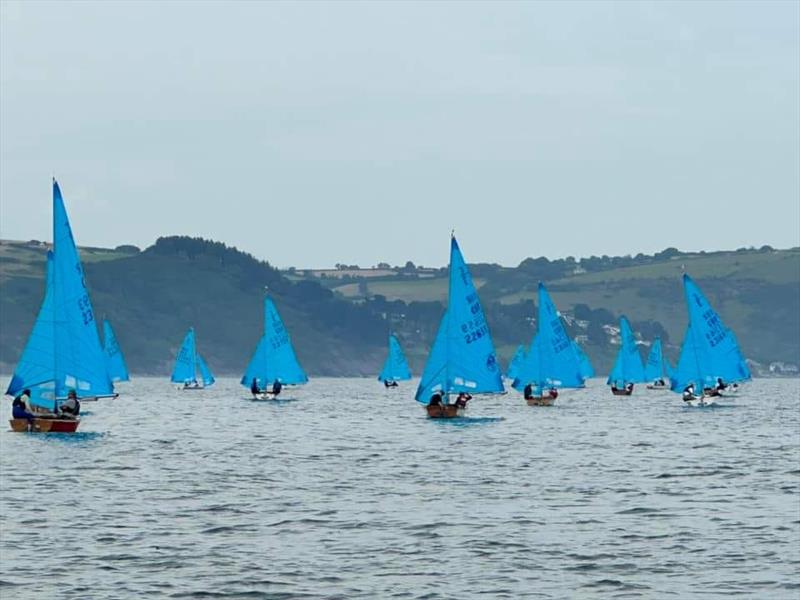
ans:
(654, 369)
(63, 352)
(395, 368)
(516, 361)
(205, 372)
(115, 362)
(587, 371)
(628, 366)
(274, 358)
(710, 350)
(463, 356)
(186, 361)
(79, 360)
(552, 361)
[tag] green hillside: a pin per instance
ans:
(339, 325)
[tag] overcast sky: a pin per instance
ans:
(316, 133)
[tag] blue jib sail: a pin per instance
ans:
(35, 369)
(186, 361)
(463, 356)
(654, 369)
(395, 368)
(115, 362)
(587, 371)
(274, 358)
(628, 366)
(552, 361)
(710, 343)
(516, 361)
(205, 372)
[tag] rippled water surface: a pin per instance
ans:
(350, 492)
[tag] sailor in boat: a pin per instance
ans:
(528, 392)
(436, 399)
(462, 399)
(254, 389)
(277, 386)
(71, 407)
(721, 384)
(21, 407)
(553, 393)
(191, 384)
(389, 383)
(688, 393)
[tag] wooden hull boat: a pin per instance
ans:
(541, 400)
(40, 425)
(447, 411)
(622, 392)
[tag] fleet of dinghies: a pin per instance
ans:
(64, 362)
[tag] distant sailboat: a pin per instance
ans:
(462, 359)
(710, 359)
(551, 362)
(395, 368)
(187, 363)
(587, 370)
(628, 368)
(516, 361)
(656, 370)
(274, 363)
(115, 362)
(63, 353)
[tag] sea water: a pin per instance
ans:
(346, 490)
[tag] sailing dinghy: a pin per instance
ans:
(274, 363)
(551, 363)
(711, 362)
(656, 371)
(628, 368)
(188, 363)
(462, 360)
(63, 353)
(396, 367)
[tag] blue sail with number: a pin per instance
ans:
(462, 358)
(586, 368)
(396, 367)
(628, 366)
(188, 362)
(551, 361)
(516, 361)
(63, 352)
(655, 369)
(115, 362)
(274, 358)
(710, 351)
